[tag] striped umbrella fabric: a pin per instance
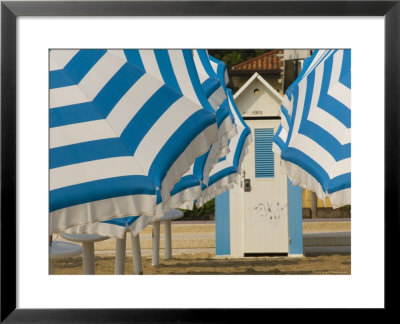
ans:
(214, 81)
(225, 173)
(124, 126)
(189, 188)
(191, 185)
(314, 138)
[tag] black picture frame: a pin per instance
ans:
(10, 10)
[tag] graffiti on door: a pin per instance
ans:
(272, 211)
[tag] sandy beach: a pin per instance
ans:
(194, 253)
(208, 264)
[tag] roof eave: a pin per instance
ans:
(251, 72)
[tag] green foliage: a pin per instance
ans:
(233, 57)
(206, 212)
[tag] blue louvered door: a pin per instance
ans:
(265, 216)
(264, 157)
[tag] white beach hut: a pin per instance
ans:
(262, 214)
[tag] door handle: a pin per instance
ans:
(247, 185)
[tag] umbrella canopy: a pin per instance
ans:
(189, 188)
(205, 181)
(191, 185)
(124, 126)
(225, 173)
(200, 188)
(214, 83)
(314, 138)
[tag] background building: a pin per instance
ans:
(269, 66)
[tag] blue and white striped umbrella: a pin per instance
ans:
(225, 173)
(314, 138)
(190, 187)
(222, 176)
(215, 77)
(124, 126)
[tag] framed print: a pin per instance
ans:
(30, 28)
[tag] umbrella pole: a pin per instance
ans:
(168, 245)
(314, 204)
(137, 262)
(155, 258)
(88, 258)
(120, 252)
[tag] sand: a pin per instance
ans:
(207, 263)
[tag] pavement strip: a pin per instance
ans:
(330, 235)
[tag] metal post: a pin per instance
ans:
(136, 254)
(155, 257)
(120, 252)
(168, 243)
(88, 258)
